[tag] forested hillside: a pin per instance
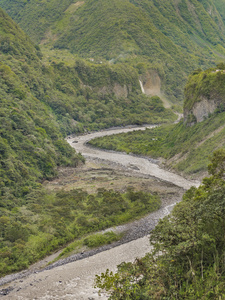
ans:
(83, 75)
(40, 103)
(186, 146)
(172, 38)
(32, 145)
(187, 261)
(204, 94)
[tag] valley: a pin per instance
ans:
(75, 281)
(142, 165)
(83, 179)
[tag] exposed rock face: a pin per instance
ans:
(152, 83)
(121, 91)
(117, 89)
(204, 94)
(151, 86)
(200, 110)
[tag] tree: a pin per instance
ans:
(188, 257)
(217, 165)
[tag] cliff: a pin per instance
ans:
(204, 95)
(172, 37)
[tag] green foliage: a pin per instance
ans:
(188, 257)
(188, 148)
(220, 66)
(41, 104)
(160, 35)
(44, 12)
(208, 84)
(90, 241)
(44, 100)
(217, 167)
(15, 44)
(31, 143)
(90, 95)
(48, 221)
(101, 239)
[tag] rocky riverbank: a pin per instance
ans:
(132, 230)
(72, 278)
(24, 284)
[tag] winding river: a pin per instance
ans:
(74, 281)
(141, 165)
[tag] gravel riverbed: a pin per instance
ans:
(72, 278)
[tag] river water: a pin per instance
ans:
(139, 164)
(74, 281)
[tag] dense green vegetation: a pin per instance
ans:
(31, 144)
(91, 241)
(40, 103)
(82, 95)
(186, 148)
(209, 84)
(95, 104)
(188, 257)
(170, 37)
(58, 20)
(192, 17)
(47, 221)
(112, 45)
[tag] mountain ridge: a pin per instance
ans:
(171, 38)
(42, 103)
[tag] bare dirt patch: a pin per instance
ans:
(94, 175)
(73, 277)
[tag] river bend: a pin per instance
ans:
(139, 164)
(74, 281)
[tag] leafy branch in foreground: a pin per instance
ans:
(188, 261)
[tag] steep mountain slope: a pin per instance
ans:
(182, 264)
(204, 94)
(170, 37)
(219, 4)
(44, 102)
(186, 148)
(31, 142)
(78, 21)
(39, 104)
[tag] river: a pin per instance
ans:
(74, 281)
(139, 164)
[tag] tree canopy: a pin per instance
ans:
(188, 257)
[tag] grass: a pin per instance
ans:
(186, 149)
(91, 241)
